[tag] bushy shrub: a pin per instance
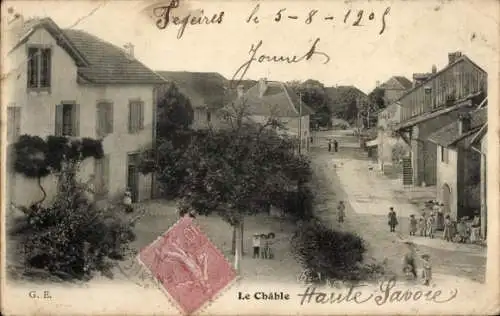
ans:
(336, 255)
(72, 238)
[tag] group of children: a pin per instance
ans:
(456, 231)
(263, 245)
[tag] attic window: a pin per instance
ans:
(39, 67)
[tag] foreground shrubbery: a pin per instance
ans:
(72, 238)
(336, 255)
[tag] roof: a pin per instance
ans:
(478, 136)
(108, 63)
(450, 136)
(277, 100)
(98, 61)
(397, 83)
(340, 92)
(204, 89)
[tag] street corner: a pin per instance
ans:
(187, 265)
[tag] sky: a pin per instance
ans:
(416, 35)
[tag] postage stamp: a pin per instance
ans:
(188, 266)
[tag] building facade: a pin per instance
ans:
(70, 83)
(434, 103)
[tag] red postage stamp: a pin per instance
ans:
(188, 266)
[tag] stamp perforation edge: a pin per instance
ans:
(162, 288)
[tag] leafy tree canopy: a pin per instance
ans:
(175, 112)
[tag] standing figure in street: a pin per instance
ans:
(335, 145)
(462, 231)
(270, 243)
(341, 211)
(409, 264)
(421, 226)
(430, 226)
(447, 229)
(264, 251)
(256, 245)
(413, 225)
(393, 220)
(329, 145)
(427, 269)
(127, 201)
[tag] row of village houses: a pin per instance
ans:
(70, 83)
(439, 122)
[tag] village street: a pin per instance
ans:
(347, 175)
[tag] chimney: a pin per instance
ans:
(16, 26)
(129, 51)
(434, 69)
(240, 90)
(453, 57)
(262, 86)
(464, 123)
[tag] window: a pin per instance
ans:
(101, 170)
(39, 66)
(13, 123)
(135, 116)
(104, 115)
(444, 154)
(209, 116)
(67, 119)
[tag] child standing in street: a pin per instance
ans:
(127, 201)
(341, 211)
(421, 226)
(447, 228)
(265, 249)
(427, 270)
(393, 220)
(430, 226)
(413, 225)
(270, 243)
(256, 245)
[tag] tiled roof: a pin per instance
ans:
(208, 89)
(397, 83)
(340, 93)
(278, 100)
(108, 63)
(449, 135)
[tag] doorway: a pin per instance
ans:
(133, 175)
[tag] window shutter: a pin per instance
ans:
(59, 120)
(98, 126)
(141, 115)
(105, 173)
(75, 117)
(130, 117)
(45, 67)
(109, 118)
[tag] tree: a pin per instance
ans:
(313, 95)
(376, 98)
(238, 169)
(175, 113)
(37, 158)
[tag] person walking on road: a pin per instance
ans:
(393, 220)
(329, 145)
(336, 145)
(447, 229)
(341, 211)
(427, 269)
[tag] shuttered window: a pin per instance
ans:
(13, 123)
(39, 67)
(136, 116)
(104, 116)
(67, 119)
(101, 170)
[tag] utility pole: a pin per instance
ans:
(300, 123)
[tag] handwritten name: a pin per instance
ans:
(386, 294)
(257, 56)
(166, 17)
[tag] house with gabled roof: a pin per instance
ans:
(275, 100)
(436, 102)
(67, 82)
(458, 166)
(207, 92)
(394, 88)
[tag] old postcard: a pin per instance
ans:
(182, 157)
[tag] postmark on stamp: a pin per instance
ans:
(188, 266)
